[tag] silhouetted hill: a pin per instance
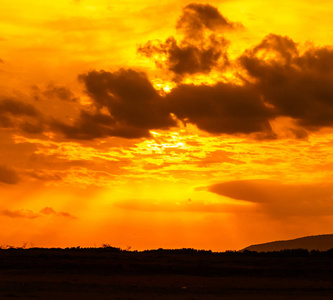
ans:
(317, 242)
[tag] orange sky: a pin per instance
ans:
(176, 124)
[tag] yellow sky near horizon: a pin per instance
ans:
(217, 139)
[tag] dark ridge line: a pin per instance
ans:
(311, 240)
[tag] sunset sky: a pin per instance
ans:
(171, 124)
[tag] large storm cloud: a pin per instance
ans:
(202, 47)
(133, 107)
(276, 79)
(297, 85)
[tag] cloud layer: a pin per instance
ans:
(221, 108)
(17, 114)
(276, 78)
(29, 214)
(8, 175)
(278, 199)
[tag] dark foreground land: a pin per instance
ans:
(107, 273)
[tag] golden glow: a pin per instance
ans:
(145, 192)
(163, 86)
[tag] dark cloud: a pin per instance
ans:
(23, 213)
(29, 214)
(202, 47)
(186, 58)
(98, 125)
(88, 126)
(33, 127)
(279, 199)
(17, 108)
(133, 107)
(256, 191)
(118, 90)
(281, 81)
(297, 85)
(8, 176)
(197, 18)
(51, 211)
(44, 176)
(5, 121)
(54, 92)
(65, 215)
(287, 82)
(221, 108)
(20, 115)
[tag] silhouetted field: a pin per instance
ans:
(109, 273)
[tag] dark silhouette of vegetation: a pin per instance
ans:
(164, 271)
(182, 251)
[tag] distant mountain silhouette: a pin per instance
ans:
(317, 242)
